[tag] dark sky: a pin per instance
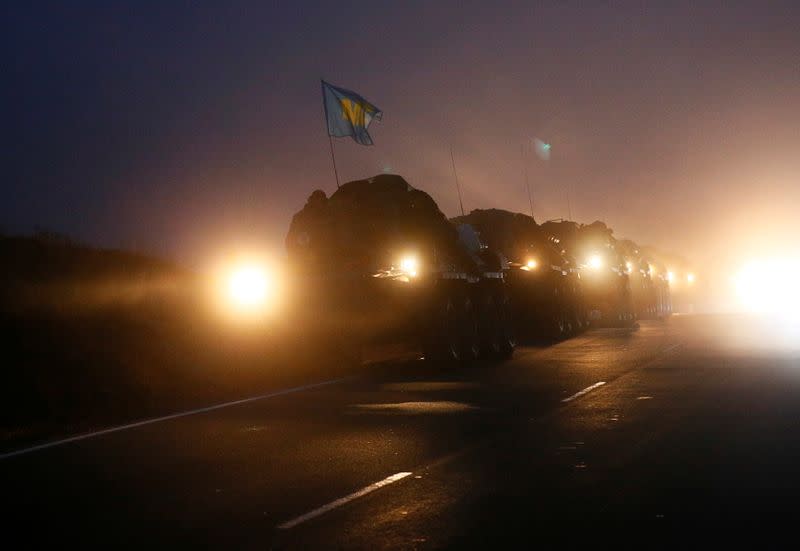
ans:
(186, 127)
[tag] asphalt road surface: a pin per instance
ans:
(686, 428)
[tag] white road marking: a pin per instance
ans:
(342, 500)
(137, 424)
(586, 390)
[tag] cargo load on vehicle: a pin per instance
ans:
(378, 260)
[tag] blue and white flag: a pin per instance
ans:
(348, 114)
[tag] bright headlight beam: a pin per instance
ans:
(247, 286)
(410, 265)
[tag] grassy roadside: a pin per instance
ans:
(92, 338)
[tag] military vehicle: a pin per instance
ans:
(650, 281)
(604, 277)
(643, 280)
(543, 282)
(378, 262)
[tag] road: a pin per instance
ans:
(689, 423)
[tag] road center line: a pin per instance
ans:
(437, 463)
(342, 500)
(586, 390)
(137, 424)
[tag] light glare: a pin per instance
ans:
(595, 262)
(769, 287)
(409, 265)
(247, 286)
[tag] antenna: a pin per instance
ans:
(527, 182)
(569, 203)
(458, 187)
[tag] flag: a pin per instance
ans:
(348, 114)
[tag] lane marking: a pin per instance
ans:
(137, 424)
(343, 500)
(586, 390)
(448, 458)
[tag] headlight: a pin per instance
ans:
(595, 262)
(531, 264)
(404, 268)
(409, 265)
(247, 286)
(689, 278)
(247, 289)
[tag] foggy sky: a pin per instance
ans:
(187, 127)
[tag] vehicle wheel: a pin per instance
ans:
(497, 334)
(441, 339)
(469, 332)
(452, 333)
(577, 322)
(558, 324)
(508, 339)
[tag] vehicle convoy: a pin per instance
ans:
(543, 282)
(378, 262)
(604, 274)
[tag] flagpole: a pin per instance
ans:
(333, 158)
(458, 187)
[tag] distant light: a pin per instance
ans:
(629, 266)
(670, 277)
(689, 278)
(532, 264)
(595, 262)
(769, 286)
